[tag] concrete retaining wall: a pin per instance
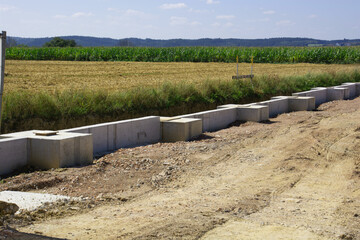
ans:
(254, 113)
(111, 136)
(276, 106)
(20, 149)
(53, 151)
(214, 120)
(181, 129)
(63, 150)
(320, 95)
(336, 93)
(352, 89)
(298, 103)
(13, 154)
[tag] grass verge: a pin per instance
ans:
(20, 106)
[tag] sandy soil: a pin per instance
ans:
(295, 177)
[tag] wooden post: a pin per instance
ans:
(237, 66)
(2, 68)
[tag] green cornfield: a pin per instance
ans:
(326, 55)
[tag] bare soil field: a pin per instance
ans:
(294, 177)
(54, 76)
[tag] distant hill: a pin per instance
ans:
(215, 42)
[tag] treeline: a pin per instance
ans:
(205, 42)
(329, 55)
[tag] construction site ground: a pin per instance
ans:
(294, 177)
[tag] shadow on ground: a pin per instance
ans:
(12, 234)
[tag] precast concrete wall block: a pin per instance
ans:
(255, 113)
(301, 104)
(228, 106)
(276, 106)
(298, 103)
(352, 89)
(357, 89)
(45, 150)
(111, 136)
(138, 132)
(320, 95)
(334, 94)
(182, 129)
(13, 154)
(214, 120)
(61, 150)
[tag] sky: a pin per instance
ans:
(169, 19)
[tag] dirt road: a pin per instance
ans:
(296, 177)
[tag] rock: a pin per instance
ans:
(8, 208)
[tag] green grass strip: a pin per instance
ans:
(23, 105)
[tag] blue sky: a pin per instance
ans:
(166, 19)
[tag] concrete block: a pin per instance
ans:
(214, 120)
(61, 150)
(255, 113)
(101, 136)
(352, 89)
(182, 129)
(337, 93)
(320, 95)
(111, 136)
(276, 106)
(53, 151)
(228, 106)
(137, 132)
(357, 89)
(13, 154)
(299, 103)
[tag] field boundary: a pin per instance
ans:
(17, 152)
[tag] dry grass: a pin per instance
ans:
(53, 76)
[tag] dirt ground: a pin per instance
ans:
(295, 177)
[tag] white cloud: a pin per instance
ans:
(212, 2)
(260, 20)
(4, 8)
(225, 17)
(195, 23)
(216, 24)
(183, 21)
(285, 23)
(82, 14)
(312, 16)
(59, 16)
(178, 21)
(75, 15)
(168, 6)
(131, 12)
(269, 12)
(113, 10)
(198, 10)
